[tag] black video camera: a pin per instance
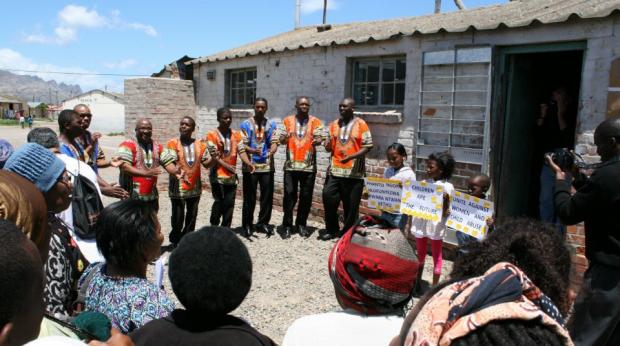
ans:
(564, 158)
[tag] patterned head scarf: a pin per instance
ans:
(504, 292)
(24, 205)
(6, 149)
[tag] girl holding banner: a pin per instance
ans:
(396, 156)
(439, 168)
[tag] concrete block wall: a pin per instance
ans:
(164, 101)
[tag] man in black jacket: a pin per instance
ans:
(596, 320)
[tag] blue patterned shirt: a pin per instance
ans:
(128, 302)
(259, 139)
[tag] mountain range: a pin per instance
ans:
(33, 88)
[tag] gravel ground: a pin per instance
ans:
(290, 276)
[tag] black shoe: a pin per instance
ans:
(328, 236)
(265, 229)
(303, 231)
(247, 231)
(286, 233)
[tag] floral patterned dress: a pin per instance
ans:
(129, 302)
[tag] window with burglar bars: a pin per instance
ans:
(241, 87)
(379, 81)
(454, 104)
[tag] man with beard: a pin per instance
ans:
(70, 127)
(349, 141)
(140, 162)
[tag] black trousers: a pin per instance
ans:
(345, 190)
(250, 183)
(223, 203)
(304, 181)
(183, 219)
(596, 320)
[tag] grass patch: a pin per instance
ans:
(122, 133)
(10, 122)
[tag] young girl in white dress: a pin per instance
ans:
(396, 157)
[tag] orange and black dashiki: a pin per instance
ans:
(189, 158)
(300, 153)
(227, 147)
(346, 140)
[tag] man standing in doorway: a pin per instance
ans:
(185, 193)
(596, 203)
(140, 162)
(349, 142)
(260, 144)
(302, 134)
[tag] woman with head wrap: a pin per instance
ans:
(511, 289)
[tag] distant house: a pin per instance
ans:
(10, 106)
(108, 109)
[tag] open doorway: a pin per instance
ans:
(529, 80)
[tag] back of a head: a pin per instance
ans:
(531, 245)
(124, 229)
(24, 205)
(64, 118)
(211, 271)
(6, 149)
(43, 136)
(21, 286)
(512, 333)
(37, 164)
(373, 270)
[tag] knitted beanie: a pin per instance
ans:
(373, 268)
(36, 164)
(6, 149)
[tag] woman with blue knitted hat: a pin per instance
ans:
(47, 172)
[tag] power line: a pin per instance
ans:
(76, 73)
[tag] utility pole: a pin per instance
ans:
(297, 14)
(49, 95)
(324, 11)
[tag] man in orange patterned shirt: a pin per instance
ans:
(349, 141)
(185, 192)
(224, 144)
(302, 132)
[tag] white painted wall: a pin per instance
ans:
(108, 112)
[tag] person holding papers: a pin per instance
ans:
(439, 168)
(396, 157)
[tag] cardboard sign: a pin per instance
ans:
(384, 194)
(469, 214)
(422, 200)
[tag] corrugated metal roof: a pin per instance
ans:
(513, 14)
(9, 99)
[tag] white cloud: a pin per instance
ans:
(122, 64)
(311, 6)
(11, 59)
(74, 17)
(147, 29)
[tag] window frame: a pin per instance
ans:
(381, 59)
(230, 87)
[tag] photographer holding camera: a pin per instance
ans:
(597, 203)
(556, 131)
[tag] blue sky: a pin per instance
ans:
(138, 37)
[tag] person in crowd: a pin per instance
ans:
(260, 144)
(211, 274)
(302, 133)
(373, 277)
(94, 155)
(47, 138)
(70, 127)
(29, 120)
(6, 149)
(48, 173)
(555, 126)
(140, 162)
(129, 236)
(21, 287)
(477, 186)
(396, 157)
(224, 145)
(439, 168)
(596, 203)
(22, 203)
(510, 289)
(349, 142)
(185, 193)
(22, 120)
